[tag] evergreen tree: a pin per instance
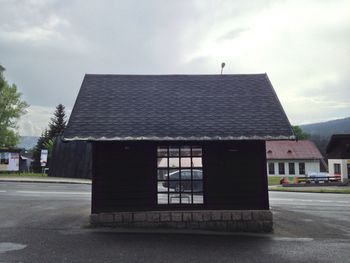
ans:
(47, 138)
(42, 141)
(58, 122)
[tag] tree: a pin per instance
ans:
(47, 138)
(58, 122)
(43, 139)
(301, 135)
(12, 107)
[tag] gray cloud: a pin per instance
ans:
(48, 46)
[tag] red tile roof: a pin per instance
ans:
(292, 150)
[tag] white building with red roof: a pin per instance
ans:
(292, 158)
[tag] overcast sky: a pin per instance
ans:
(47, 46)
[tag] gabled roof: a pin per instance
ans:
(336, 139)
(292, 150)
(177, 107)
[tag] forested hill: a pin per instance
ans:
(321, 132)
(326, 129)
(27, 142)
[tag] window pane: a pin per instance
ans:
(185, 174)
(186, 198)
(337, 169)
(162, 174)
(281, 168)
(198, 198)
(162, 198)
(185, 151)
(173, 151)
(197, 174)
(162, 162)
(174, 174)
(196, 151)
(271, 168)
(162, 151)
(174, 162)
(174, 199)
(198, 186)
(186, 162)
(291, 168)
(163, 186)
(186, 186)
(301, 168)
(197, 162)
(174, 186)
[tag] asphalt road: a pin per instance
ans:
(42, 222)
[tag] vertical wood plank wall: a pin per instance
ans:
(71, 159)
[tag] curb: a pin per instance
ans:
(42, 181)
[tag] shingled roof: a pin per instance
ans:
(177, 107)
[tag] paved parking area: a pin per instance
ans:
(48, 223)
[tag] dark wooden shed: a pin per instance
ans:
(179, 150)
(338, 155)
(71, 159)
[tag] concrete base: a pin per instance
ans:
(222, 220)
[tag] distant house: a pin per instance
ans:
(25, 164)
(9, 160)
(179, 150)
(338, 154)
(292, 158)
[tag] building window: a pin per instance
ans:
(281, 168)
(291, 168)
(337, 168)
(180, 175)
(271, 168)
(301, 168)
(4, 158)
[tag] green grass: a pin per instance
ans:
(5, 174)
(274, 180)
(336, 190)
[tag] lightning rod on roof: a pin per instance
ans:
(222, 66)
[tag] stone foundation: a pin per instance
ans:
(219, 220)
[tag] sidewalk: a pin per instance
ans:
(29, 179)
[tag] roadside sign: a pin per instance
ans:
(43, 157)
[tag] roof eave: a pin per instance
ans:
(180, 138)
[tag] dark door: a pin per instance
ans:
(348, 170)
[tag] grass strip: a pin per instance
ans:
(26, 175)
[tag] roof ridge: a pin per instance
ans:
(161, 75)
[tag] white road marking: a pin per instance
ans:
(303, 239)
(8, 246)
(3, 191)
(308, 200)
(50, 192)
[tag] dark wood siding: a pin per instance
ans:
(235, 175)
(340, 149)
(70, 159)
(125, 179)
(124, 176)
